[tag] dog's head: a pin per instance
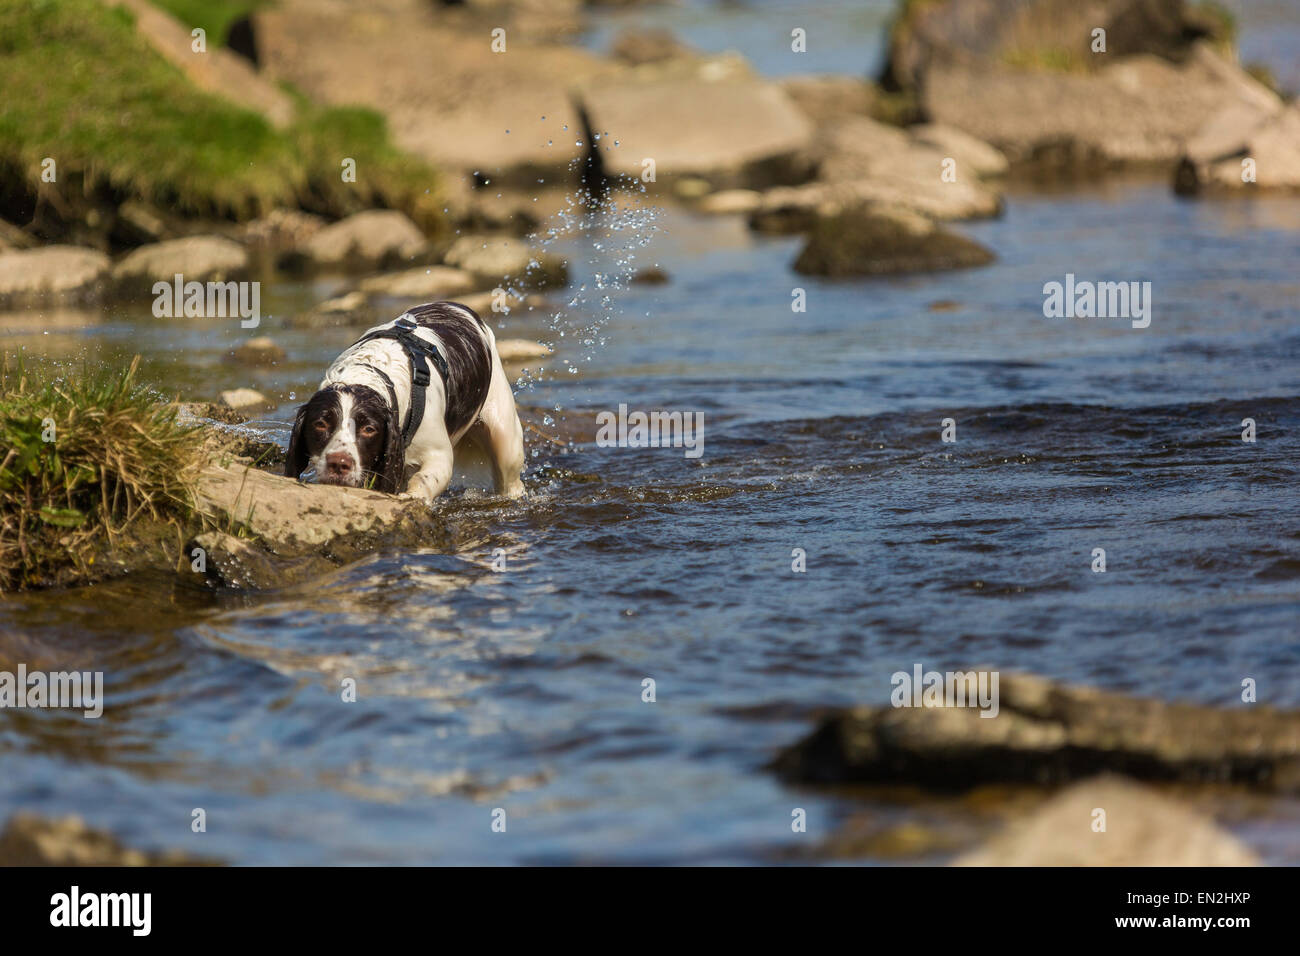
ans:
(347, 435)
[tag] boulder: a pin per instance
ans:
(1143, 828)
(282, 230)
(875, 239)
(736, 132)
(197, 258)
(1050, 733)
(1037, 33)
(1139, 110)
(1214, 158)
(512, 263)
(377, 237)
(51, 275)
(426, 283)
(350, 309)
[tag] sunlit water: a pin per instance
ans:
(522, 690)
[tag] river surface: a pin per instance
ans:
(522, 690)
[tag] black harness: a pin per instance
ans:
(421, 352)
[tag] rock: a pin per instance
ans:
(692, 187)
(291, 520)
(425, 283)
(238, 398)
(973, 155)
(1214, 158)
(731, 201)
(648, 46)
(51, 275)
(1050, 733)
(868, 160)
(217, 71)
(1135, 111)
(1143, 828)
(741, 132)
(32, 840)
(367, 239)
(352, 308)
(826, 99)
(1036, 33)
(507, 262)
(258, 351)
(521, 350)
(650, 275)
(478, 111)
(196, 258)
(282, 230)
(235, 563)
(883, 240)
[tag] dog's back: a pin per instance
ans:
(466, 343)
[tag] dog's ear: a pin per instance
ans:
(295, 459)
(391, 467)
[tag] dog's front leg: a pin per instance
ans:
(432, 477)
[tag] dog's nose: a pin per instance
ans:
(338, 464)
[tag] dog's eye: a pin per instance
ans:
(369, 431)
(320, 425)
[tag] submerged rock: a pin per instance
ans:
(242, 398)
(1142, 828)
(32, 840)
(261, 350)
(883, 240)
(51, 275)
(1050, 733)
(424, 283)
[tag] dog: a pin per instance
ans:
(393, 406)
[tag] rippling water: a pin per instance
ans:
(522, 689)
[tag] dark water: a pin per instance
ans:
(522, 690)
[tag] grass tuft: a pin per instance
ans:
(118, 459)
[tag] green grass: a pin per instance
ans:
(77, 84)
(214, 16)
(119, 466)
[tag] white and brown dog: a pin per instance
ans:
(393, 407)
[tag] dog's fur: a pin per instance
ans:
(347, 433)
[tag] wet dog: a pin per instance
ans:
(392, 408)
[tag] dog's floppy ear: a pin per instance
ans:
(295, 460)
(391, 467)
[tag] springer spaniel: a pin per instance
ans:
(362, 428)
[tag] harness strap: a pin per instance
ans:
(420, 353)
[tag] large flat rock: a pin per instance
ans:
(735, 131)
(51, 275)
